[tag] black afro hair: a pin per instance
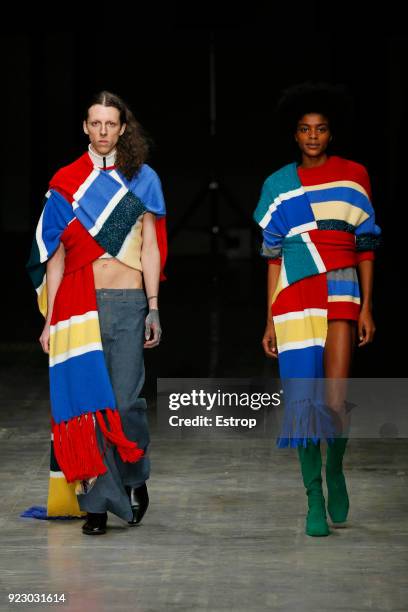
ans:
(331, 100)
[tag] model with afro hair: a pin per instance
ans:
(333, 101)
(319, 234)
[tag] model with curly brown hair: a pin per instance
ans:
(96, 263)
(132, 148)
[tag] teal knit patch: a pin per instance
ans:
(283, 180)
(299, 262)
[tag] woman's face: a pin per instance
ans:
(103, 128)
(313, 134)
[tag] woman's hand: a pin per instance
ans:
(269, 341)
(45, 338)
(152, 326)
(366, 327)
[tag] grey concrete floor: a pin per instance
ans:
(225, 528)
(224, 531)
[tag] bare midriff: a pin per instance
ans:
(113, 274)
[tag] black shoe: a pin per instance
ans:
(139, 501)
(95, 524)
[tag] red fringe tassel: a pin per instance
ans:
(76, 446)
(127, 449)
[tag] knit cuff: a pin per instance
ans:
(365, 255)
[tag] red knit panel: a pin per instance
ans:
(76, 295)
(80, 246)
(343, 310)
(69, 178)
(310, 292)
(364, 255)
(161, 235)
(336, 248)
(336, 169)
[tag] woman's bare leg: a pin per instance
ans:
(338, 353)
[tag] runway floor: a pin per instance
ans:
(225, 528)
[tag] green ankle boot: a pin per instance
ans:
(338, 500)
(311, 467)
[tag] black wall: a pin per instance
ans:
(161, 67)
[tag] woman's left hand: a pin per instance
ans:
(152, 326)
(366, 327)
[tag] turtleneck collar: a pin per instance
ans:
(102, 161)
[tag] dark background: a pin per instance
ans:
(212, 310)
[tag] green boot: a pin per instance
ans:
(338, 502)
(311, 466)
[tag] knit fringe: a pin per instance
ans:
(76, 446)
(40, 512)
(128, 450)
(304, 420)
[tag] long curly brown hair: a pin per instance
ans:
(133, 146)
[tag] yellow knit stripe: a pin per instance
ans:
(339, 210)
(343, 298)
(334, 184)
(74, 336)
(130, 252)
(298, 330)
(62, 500)
(42, 297)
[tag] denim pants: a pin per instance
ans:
(122, 315)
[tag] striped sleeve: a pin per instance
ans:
(272, 238)
(368, 233)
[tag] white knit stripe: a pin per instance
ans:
(57, 474)
(39, 239)
(312, 225)
(86, 348)
(40, 288)
(117, 177)
(107, 210)
(289, 346)
(265, 219)
(277, 201)
(85, 185)
(292, 193)
(314, 252)
(300, 314)
(283, 275)
(91, 314)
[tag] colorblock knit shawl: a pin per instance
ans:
(91, 211)
(313, 230)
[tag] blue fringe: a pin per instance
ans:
(295, 442)
(40, 512)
